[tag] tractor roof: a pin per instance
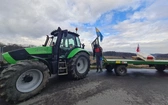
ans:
(55, 32)
(73, 33)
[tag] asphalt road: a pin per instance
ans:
(138, 87)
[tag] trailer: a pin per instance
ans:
(120, 65)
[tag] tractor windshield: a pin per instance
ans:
(70, 41)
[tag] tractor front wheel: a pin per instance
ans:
(79, 65)
(23, 80)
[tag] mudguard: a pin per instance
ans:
(75, 51)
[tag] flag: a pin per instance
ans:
(99, 34)
(96, 41)
(138, 49)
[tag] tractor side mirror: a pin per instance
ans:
(83, 46)
(47, 38)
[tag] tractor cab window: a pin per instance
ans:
(53, 41)
(71, 43)
(78, 42)
(68, 41)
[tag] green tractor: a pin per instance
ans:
(30, 68)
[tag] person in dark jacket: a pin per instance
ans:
(97, 52)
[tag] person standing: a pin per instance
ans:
(97, 52)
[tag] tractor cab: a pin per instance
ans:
(65, 40)
(65, 45)
(69, 42)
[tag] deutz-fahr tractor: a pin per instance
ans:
(29, 68)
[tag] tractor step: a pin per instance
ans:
(62, 70)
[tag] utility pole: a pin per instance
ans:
(2, 48)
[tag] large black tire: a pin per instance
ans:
(160, 68)
(109, 68)
(23, 80)
(120, 70)
(79, 66)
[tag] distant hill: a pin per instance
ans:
(160, 56)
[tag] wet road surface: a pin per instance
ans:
(138, 87)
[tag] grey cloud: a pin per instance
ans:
(33, 19)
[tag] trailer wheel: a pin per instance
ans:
(120, 70)
(109, 68)
(160, 68)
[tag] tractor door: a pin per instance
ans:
(55, 43)
(68, 42)
(63, 43)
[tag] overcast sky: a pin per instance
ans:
(123, 23)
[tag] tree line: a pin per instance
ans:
(10, 46)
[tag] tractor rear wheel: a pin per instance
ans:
(23, 80)
(79, 65)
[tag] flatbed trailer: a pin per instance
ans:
(120, 65)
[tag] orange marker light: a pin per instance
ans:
(76, 29)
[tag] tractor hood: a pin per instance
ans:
(22, 54)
